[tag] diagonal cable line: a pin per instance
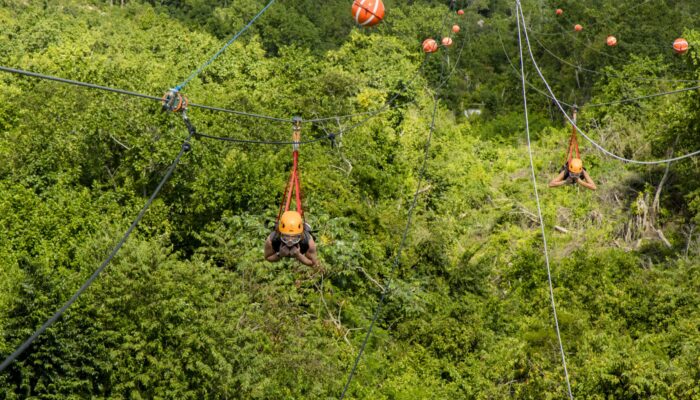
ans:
(539, 207)
(26, 344)
(218, 53)
(399, 250)
(609, 103)
(581, 131)
(132, 93)
(608, 74)
(404, 236)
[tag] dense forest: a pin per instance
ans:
(189, 308)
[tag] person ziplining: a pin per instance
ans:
(291, 236)
(573, 171)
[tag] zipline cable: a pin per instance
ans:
(517, 73)
(370, 114)
(135, 94)
(587, 105)
(573, 123)
(270, 142)
(24, 346)
(619, 11)
(539, 207)
(195, 105)
(580, 68)
(633, 99)
(404, 236)
(218, 53)
(400, 247)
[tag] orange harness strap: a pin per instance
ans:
(294, 184)
(573, 142)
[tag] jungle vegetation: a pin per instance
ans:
(188, 309)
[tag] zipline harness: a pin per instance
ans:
(573, 140)
(294, 184)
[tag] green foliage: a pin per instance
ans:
(189, 310)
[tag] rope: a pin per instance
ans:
(633, 99)
(135, 94)
(610, 103)
(581, 131)
(203, 106)
(539, 208)
(218, 53)
(404, 236)
(401, 245)
(24, 346)
(269, 142)
(517, 72)
(77, 83)
(580, 68)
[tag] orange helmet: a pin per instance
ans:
(291, 223)
(575, 166)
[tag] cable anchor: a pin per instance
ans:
(174, 101)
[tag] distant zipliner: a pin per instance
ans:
(573, 172)
(291, 236)
(368, 12)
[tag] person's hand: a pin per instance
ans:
(284, 251)
(294, 251)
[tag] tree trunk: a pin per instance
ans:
(655, 205)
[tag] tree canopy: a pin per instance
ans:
(188, 309)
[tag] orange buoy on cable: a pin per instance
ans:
(368, 12)
(460, 12)
(455, 28)
(447, 41)
(611, 41)
(578, 28)
(680, 46)
(430, 45)
(559, 11)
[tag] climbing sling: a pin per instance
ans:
(293, 185)
(573, 141)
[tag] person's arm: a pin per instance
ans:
(587, 182)
(559, 180)
(311, 253)
(309, 258)
(270, 253)
(296, 253)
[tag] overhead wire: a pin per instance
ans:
(539, 207)
(27, 343)
(517, 73)
(573, 123)
(196, 105)
(591, 105)
(399, 250)
(253, 141)
(221, 50)
(576, 37)
(599, 20)
(581, 68)
(635, 99)
(404, 236)
(595, 50)
(134, 94)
